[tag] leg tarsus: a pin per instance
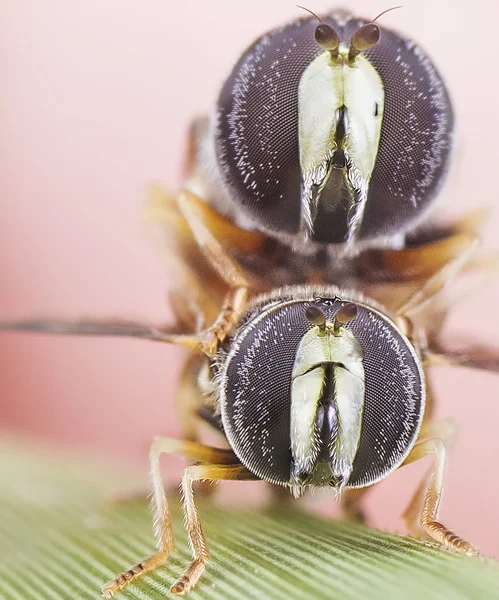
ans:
(161, 513)
(189, 578)
(197, 539)
(138, 570)
(228, 317)
(422, 511)
(208, 341)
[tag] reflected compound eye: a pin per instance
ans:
(300, 148)
(322, 392)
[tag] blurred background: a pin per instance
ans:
(96, 98)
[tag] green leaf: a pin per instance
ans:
(59, 540)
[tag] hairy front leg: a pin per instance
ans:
(423, 510)
(161, 513)
(197, 539)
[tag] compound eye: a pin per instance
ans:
(416, 138)
(257, 136)
(321, 392)
(340, 132)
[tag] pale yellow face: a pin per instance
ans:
(343, 353)
(332, 90)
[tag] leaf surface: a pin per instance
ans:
(59, 540)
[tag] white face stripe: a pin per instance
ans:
(315, 350)
(364, 99)
(320, 95)
(349, 393)
(325, 87)
(306, 392)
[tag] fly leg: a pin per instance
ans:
(161, 513)
(422, 511)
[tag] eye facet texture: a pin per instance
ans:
(416, 137)
(256, 391)
(257, 137)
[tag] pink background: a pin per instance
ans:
(96, 97)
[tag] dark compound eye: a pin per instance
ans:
(279, 114)
(416, 137)
(257, 137)
(290, 388)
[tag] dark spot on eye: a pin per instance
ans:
(376, 109)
